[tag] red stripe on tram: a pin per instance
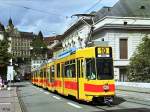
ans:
(71, 85)
(98, 88)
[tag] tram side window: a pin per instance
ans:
(62, 70)
(48, 74)
(44, 73)
(67, 71)
(73, 70)
(78, 68)
(70, 69)
(52, 71)
(90, 69)
(58, 70)
(82, 63)
(41, 73)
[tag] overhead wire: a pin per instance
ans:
(33, 9)
(92, 7)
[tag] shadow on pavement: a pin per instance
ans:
(19, 84)
(118, 100)
(127, 110)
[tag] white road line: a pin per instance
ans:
(74, 105)
(46, 93)
(5, 103)
(56, 97)
(121, 95)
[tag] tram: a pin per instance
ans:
(86, 74)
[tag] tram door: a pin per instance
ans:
(52, 78)
(63, 74)
(80, 75)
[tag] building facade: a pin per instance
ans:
(20, 44)
(20, 41)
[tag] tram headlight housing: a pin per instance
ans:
(106, 87)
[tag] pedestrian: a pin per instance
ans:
(1, 83)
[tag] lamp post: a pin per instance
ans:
(10, 68)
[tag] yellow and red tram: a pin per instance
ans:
(87, 74)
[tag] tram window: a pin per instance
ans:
(90, 69)
(58, 70)
(72, 71)
(52, 71)
(67, 71)
(73, 61)
(78, 68)
(41, 73)
(62, 70)
(48, 74)
(105, 69)
(44, 73)
(82, 63)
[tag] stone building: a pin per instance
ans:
(20, 44)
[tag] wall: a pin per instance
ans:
(81, 32)
(133, 84)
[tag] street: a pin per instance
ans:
(35, 99)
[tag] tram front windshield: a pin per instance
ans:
(99, 68)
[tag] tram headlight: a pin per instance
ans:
(106, 87)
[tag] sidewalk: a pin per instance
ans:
(132, 89)
(9, 101)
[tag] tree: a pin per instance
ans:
(39, 47)
(4, 56)
(139, 69)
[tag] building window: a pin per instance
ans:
(123, 75)
(123, 48)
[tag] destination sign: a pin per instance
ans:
(103, 52)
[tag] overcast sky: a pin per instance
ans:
(49, 16)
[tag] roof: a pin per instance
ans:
(126, 8)
(27, 35)
(75, 26)
(50, 40)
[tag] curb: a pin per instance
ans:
(22, 105)
(133, 91)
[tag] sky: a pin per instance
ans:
(52, 17)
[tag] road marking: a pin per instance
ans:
(121, 95)
(41, 90)
(46, 92)
(5, 103)
(56, 97)
(74, 105)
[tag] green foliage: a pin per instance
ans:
(139, 69)
(4, 56)
(39, 47)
